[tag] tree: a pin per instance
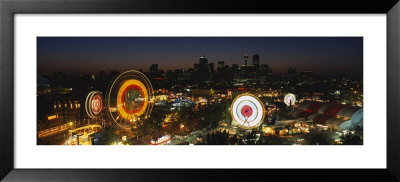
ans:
(273, 120)
(212, 118)
(186, 114)
(216, 138)
(351, 139)
(250, 139)
(225, 111)
(273, 140)
(233, 140)
(211, 115)
(355, 138)
(152, 125)
(108, 137)
(317, 138)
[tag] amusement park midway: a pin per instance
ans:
(142, 115)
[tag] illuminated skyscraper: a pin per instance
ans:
(204, 68)
(203, 60)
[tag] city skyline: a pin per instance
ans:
(89, 55)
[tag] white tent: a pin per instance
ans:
(356, 120)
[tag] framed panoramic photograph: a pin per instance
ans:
(136, 91)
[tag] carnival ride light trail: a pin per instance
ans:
(129, 98)
(248, 111)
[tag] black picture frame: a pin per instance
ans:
(9, 8)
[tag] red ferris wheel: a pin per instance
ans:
(130, 98)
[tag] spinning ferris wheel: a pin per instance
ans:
(248, 111)
(129, 98)
(94, 104)
(289, 99)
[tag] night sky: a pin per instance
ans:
(327, 55)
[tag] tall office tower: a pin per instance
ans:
(203, 60)
(256, 64)
(265, 70)
(220, 67)
(256, 60)
(235, 67)
(154, 68)
(221, 64)
(204, 68)
(292, 73)
(196, 68)
(211, 67)
(246, 57)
